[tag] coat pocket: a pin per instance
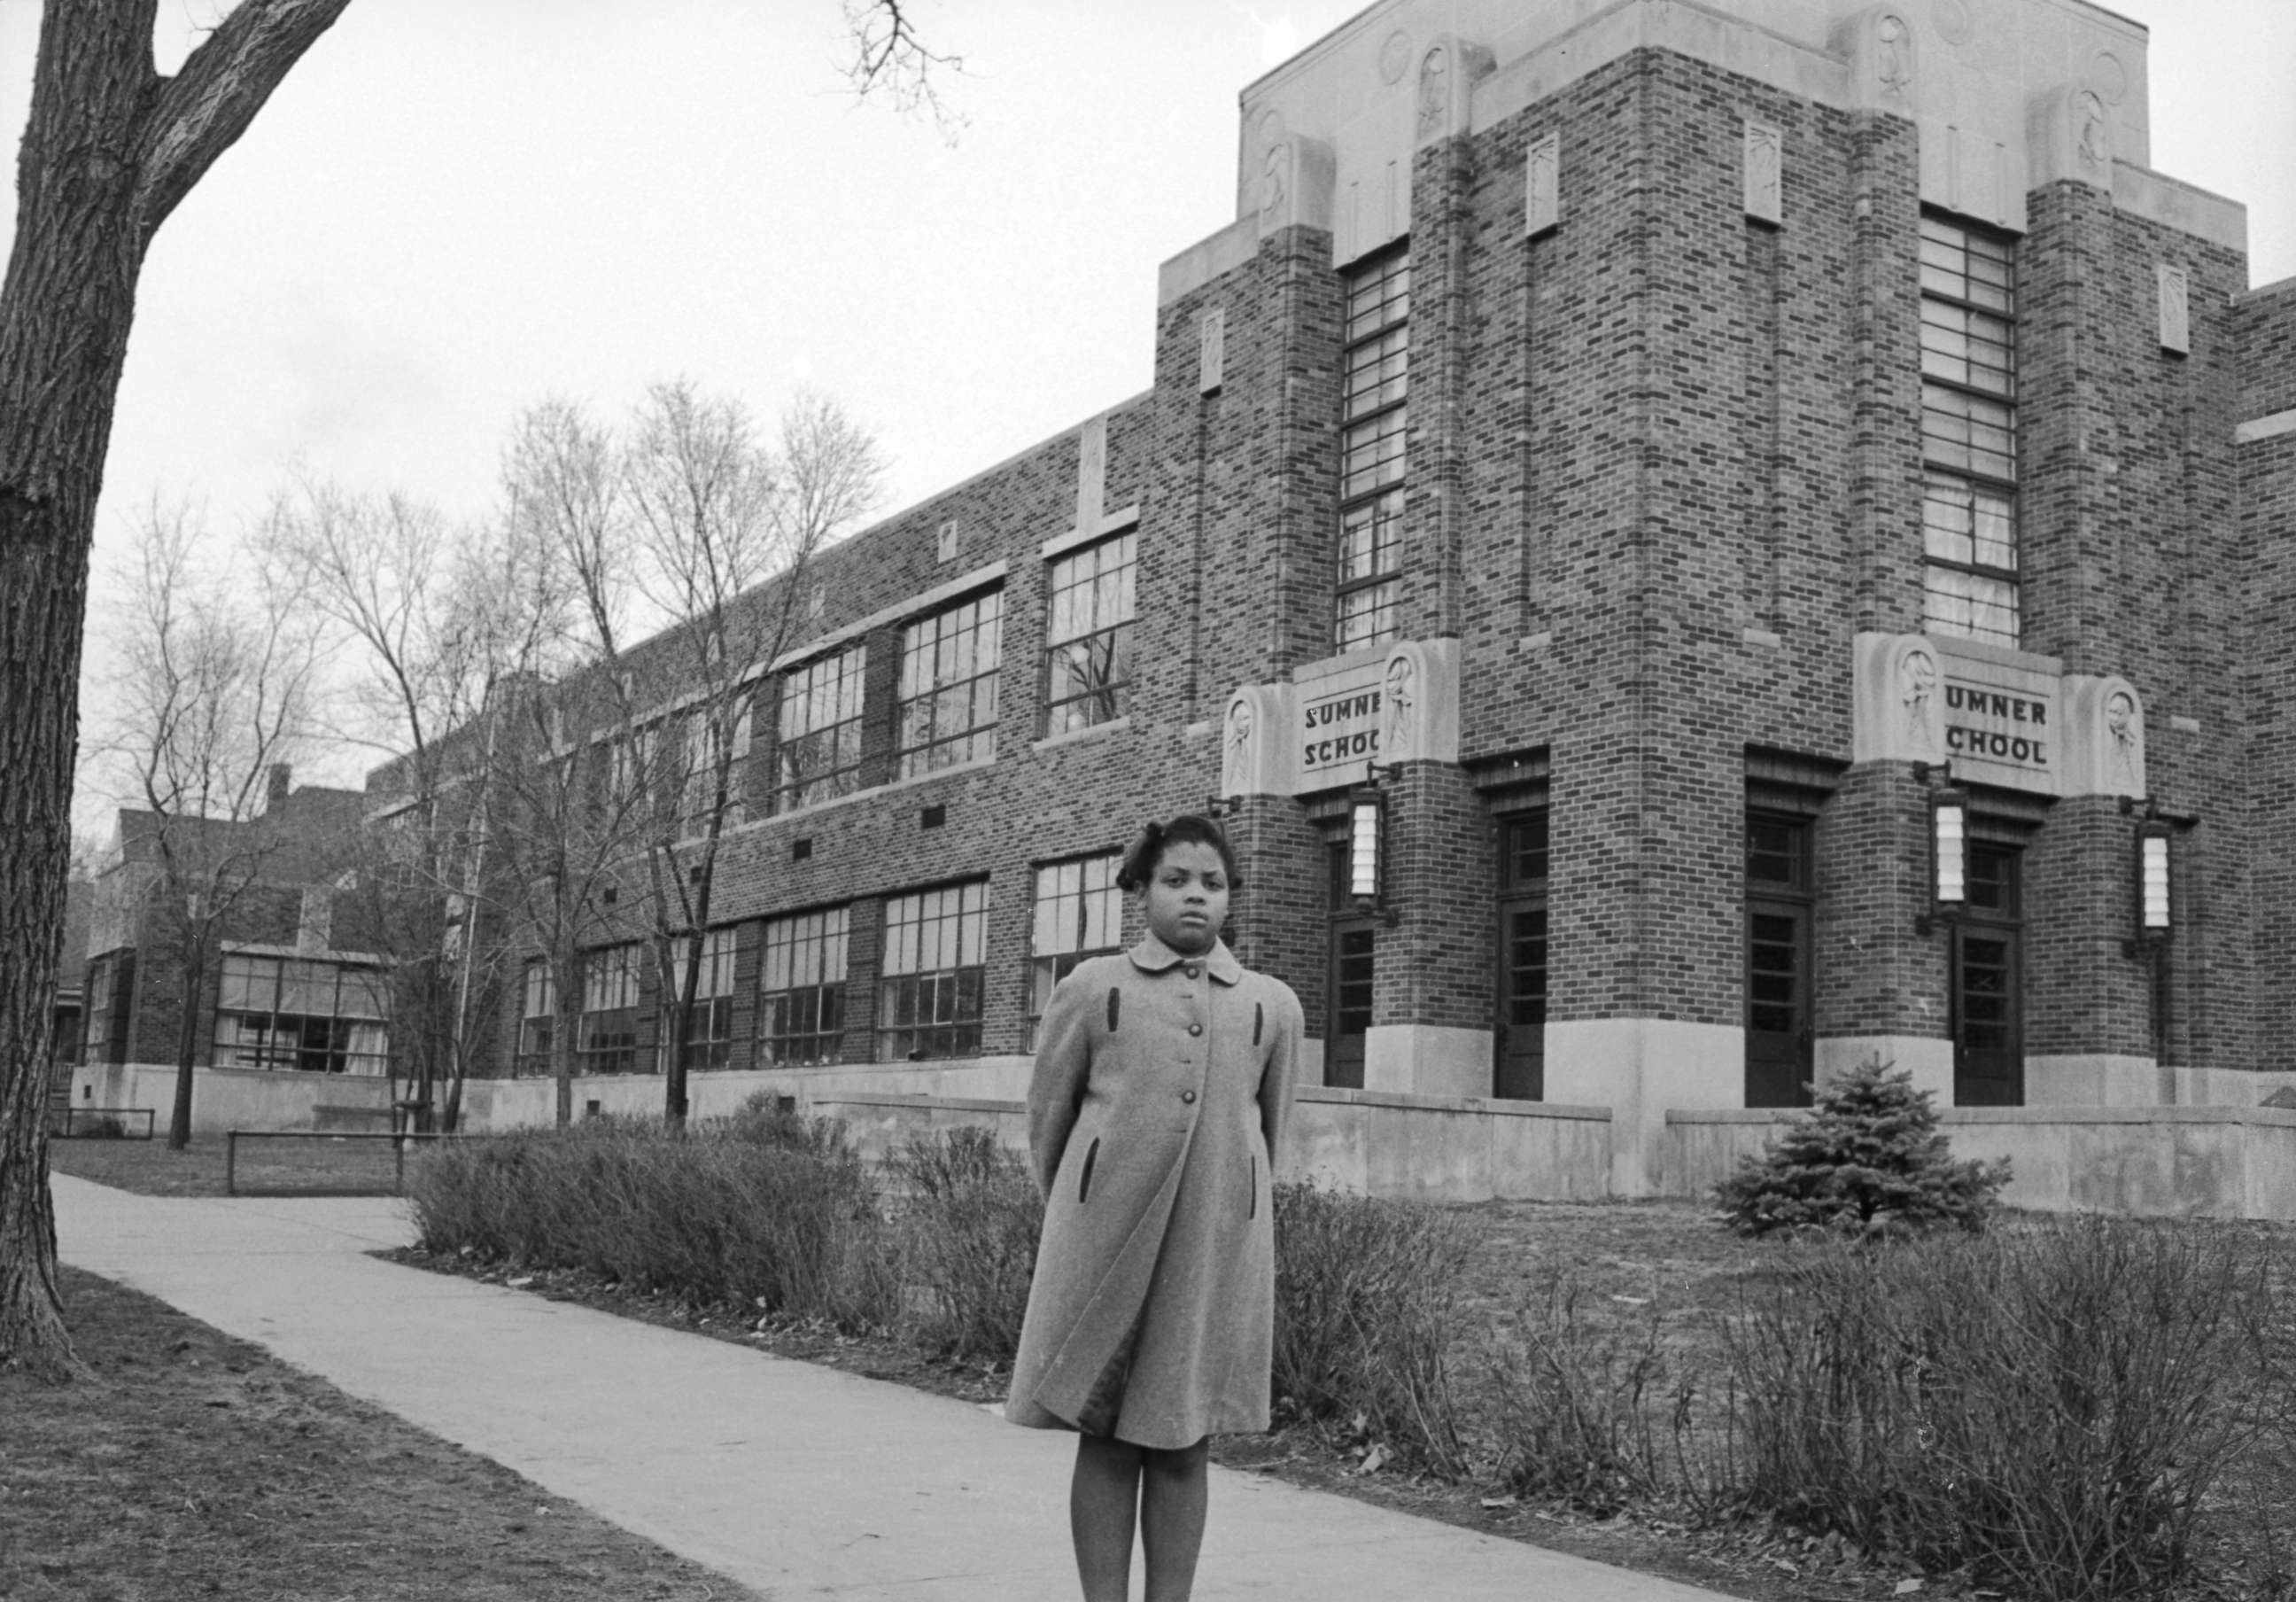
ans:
(1084, 1179)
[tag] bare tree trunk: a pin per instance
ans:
(187, 1042)
(108, 150)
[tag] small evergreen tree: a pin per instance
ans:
(1868, 1160)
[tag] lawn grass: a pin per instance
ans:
(192, 1465)
(295, 1165)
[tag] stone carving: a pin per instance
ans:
(1434, 92)
(948, 552)
(816, 602)
(2095, 147)
(1542, 183)
(1764, 196)
(2110, 76)
(1273, 187)
(1918, 680)
(2123, 728)
(1236, 768)
(1395, 57)
(1397, 700)
(2176, 309)
(1211, 351)
(1893, 62)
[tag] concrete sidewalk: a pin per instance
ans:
(795, 1480)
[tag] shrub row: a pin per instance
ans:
(2049, 1406)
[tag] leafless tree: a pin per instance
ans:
(212, 695)
(722, 529)
(111, 148)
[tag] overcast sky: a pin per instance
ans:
(455, 208)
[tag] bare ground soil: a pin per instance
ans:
(192, 1465)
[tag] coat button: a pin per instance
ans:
(1189, 1097)
(1191, 970)
(1195, 1029)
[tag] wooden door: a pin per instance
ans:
(1989, 1036)
(1781, 1058)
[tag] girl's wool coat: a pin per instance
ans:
(1161, 1088)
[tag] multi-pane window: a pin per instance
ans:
(300, 1013)
(710, 740)
(608, 1042)
(929, 1005)
(801, 989)
(709, 1033)
(1079, 914)
(949, 665)
(820, 753)
(1525, 856)
(1374, 419)
(1088, 639)
(537, 1018)
(1969, 431)
(95, 1011)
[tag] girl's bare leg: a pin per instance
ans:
(1103, 1505)
(1174, 1486)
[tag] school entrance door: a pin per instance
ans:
(1779, 1050)
(1989, 1036)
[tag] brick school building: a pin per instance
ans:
(1694, 545)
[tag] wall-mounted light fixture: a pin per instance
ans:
(1948, 846)
(2151, 875)
(1367, 846)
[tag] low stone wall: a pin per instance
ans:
(2148, 1162)
(239, 1098)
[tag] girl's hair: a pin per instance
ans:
(1188, 828)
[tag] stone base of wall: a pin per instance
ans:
(2148, 1162)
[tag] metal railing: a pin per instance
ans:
(90, 1123)
(325, 1173)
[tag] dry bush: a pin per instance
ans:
(2049, 1409)
(1367, 1296)
(968, 1227)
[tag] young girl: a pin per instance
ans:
(1162, 1082)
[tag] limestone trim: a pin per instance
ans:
(2174, 203)
(925, 601)
(2265, 428)
(1115, 522)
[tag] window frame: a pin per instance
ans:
(536, 1026)
(1046, 969)
(261, 1038)
(1111, 698)
(825, 995)
(708, 1040)
(618, 1051)
(1377, 503)
(797, 690)
(912, 1000)
(1963, 485)
(976, 740)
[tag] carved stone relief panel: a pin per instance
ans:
(1448, 70)
(1211, 351)
(2071, 135)
(1882, 61)
(1296, 179)
(1542, 184)
(1419, 703)
(1255, 742)
(1765, 181)
(2105, 737)
(2176, 309)
(1899, 696)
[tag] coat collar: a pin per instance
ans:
(1153, 956)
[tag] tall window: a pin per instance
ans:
(710, 1026)
(1079, 912)
(1088, 641)
(1525, 855)
(1969, 431)
(707, 740)
(801, 989)
(95, 1012)
(1373, 420)
(821, 728)
(949, 665)
(930, 1003)
(537, 1019)
(608, 1039)
(301, 1013)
